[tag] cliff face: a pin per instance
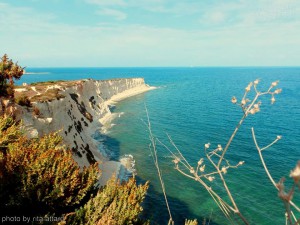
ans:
(78, 109)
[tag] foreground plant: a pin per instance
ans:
(284, 195)
(40, 174)
(116, 204)
(153, 152)
(219, 165)
(39, 178)
(8, 72)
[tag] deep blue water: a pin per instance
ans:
(193, 106)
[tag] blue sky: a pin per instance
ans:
(109, 33)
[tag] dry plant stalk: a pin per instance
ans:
(286, 197)
(216, 156)
(153, 151)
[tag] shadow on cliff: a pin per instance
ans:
(108, 146)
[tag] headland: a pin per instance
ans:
(77, 109)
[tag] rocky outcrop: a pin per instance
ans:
(78, 111)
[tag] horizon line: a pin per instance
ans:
(110, 67)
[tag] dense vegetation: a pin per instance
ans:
(8, 72)
(40, 183)
(39, 177)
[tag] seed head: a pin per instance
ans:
(248, 88)
(278, 137)
(220, 148)
(224, 170)
(243, 102)
(241, 163)
(192, 170)
(211, 178)
(272, 100)
(176, 160)
(234, 100)
(295, 174)
(207, 145)
(256, 82)
(202, 168)
(277, 91)
(255, 109)
(252, 111)
(274, 83)
(200, 162)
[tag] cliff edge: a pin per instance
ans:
(78, 109)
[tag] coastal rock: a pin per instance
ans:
(78, 109)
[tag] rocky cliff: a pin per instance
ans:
(77, 109)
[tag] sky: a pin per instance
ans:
(150, 33)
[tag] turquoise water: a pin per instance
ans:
(193, 106)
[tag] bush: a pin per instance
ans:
(116, 204)
(23, 101)
(40, 175)
(44, 83)
(8, 72)
(10, 132)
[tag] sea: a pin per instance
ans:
(193, 106)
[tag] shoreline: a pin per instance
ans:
(129, 93)
(122, 96)
(78, 109)
(111, 168)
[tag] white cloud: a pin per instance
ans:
(215, 18)
(35, 39)
(117, 14)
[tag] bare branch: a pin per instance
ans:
(266, 168)
(153, 151)
(221, 165)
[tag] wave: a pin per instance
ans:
(161, 86)
(129, 164)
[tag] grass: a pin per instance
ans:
(49, 95)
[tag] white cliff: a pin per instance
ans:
(78, 109)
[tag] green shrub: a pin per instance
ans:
(8, 72)
(116, 204)
(40, 175)
(44, 83)
(23, 101)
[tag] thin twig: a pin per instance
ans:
(154, 153)
(171, 141)
(266, 168)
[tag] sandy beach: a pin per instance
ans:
(128, 93)
(121, 96)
